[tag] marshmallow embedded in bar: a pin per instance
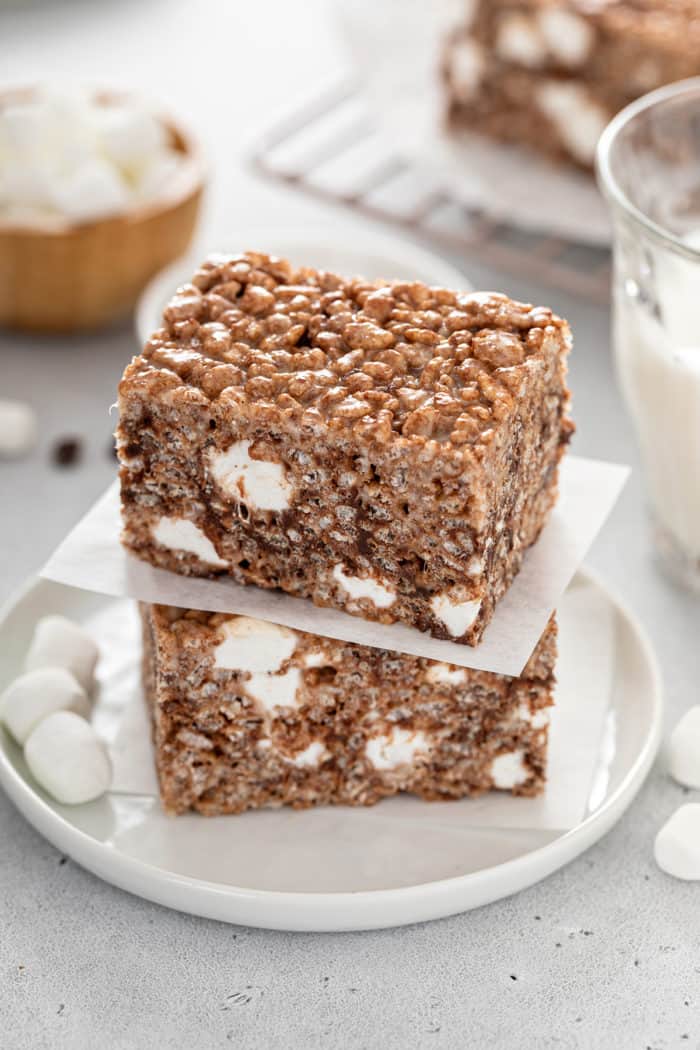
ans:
(58, 642)
(35, 695)
(248, 714)
(68, 759)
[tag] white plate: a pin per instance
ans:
(256, 869)
(341, 249)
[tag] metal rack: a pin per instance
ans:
(327, 146)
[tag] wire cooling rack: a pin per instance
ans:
(327, 146)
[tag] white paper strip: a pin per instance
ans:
(92, 558)
(584, 676)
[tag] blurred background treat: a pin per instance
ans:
(550, 74)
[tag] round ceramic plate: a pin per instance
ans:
(400, 862)
(340, 249)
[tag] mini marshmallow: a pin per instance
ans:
(36, 695)
(92, 189)
(568, 36)
(578, 118)
(274, 690)
(17, 428)
(181, 534)
(457, 616)
(70, 157)
(260, 483)
(67, 758)
(380, 594)
(253, 645)
(677, 845)
(398, 748)
(129, 136)
(684, 749)
(439, 674)
(509, 770)
(160, 170)
(310, 756)
(519, 41)
(315, 659)
(466, 68)
(58, 642)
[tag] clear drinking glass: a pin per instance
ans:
(649, 170)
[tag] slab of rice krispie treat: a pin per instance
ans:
(387, 449)
(550, 74)
(248, 714)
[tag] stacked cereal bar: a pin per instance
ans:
(248, 714)
(550, 74)
(388, 449)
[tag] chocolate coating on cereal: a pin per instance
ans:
(409, 360)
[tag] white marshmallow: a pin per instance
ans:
(253, 645)
(380, 594)
(129, 137)
(475, 566)
(180, 534)
(68, 157)
(27, 186)
(310, 756)
(68, 759)
(274, 690)
(17, 428)
(579, 120)
(466, 68)
(24, 128)
(568, 36)
(509, 770)
(314, 660)
(684, 749)
(440, 673)
(677, 845)
(397, 748)
(538, 719)
(92, 190)
(457, 616)
(259, 483)
(35, 695)
(156, 174)
(58, 642)
(518, 40)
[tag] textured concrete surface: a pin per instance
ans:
(604, 954)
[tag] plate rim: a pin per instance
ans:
(338, 911)
(147, 307)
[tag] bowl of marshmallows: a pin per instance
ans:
(97, 194)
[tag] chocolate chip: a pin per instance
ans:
(67, 452)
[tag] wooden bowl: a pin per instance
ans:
(71, 276)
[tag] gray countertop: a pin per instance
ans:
(605, 953)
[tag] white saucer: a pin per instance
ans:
(338, 248)
(266, 869)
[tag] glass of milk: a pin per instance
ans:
(649, 170)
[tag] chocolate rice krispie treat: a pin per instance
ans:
(387, 449)
(248, 714)
(550, 74)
